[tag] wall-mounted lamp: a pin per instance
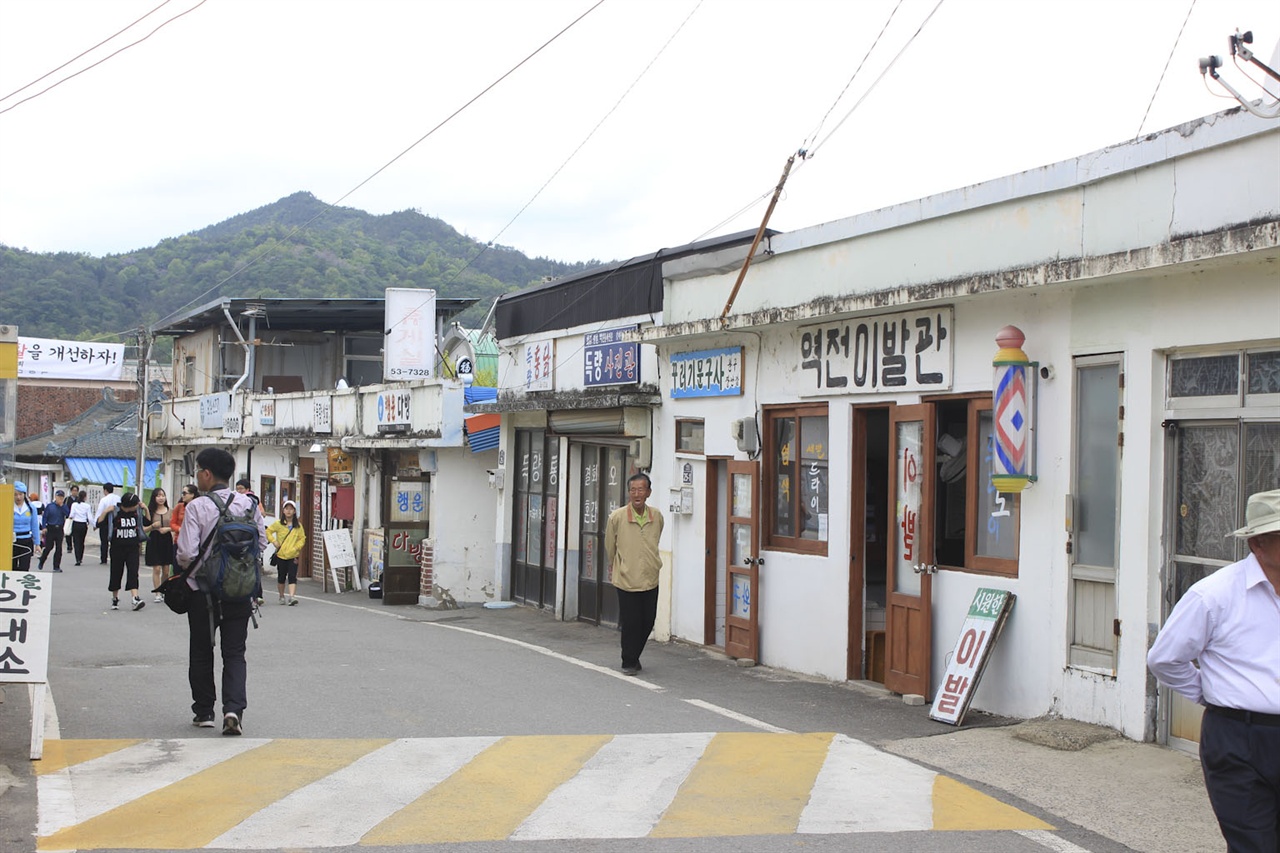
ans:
(1013, 432)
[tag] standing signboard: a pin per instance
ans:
(987, 614)
(25, 599)
(342, 555)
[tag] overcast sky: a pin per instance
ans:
(242, 102)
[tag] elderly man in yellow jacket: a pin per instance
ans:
(631, 544)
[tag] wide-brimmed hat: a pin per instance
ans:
(1262, 515)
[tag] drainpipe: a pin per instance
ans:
(248, 351)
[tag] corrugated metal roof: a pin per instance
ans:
(118, 472)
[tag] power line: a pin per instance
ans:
(267, 250)
(865, 57)
(100, 61)
(808, 154)
(566, 162)
(1165, 69)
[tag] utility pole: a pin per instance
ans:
(144, 356)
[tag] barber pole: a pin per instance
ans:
(1011, 457)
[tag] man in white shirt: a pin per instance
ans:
(110, 500)
(1229, 623)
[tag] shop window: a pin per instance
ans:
(362, 360)
(689, 436)
(796, 456)
(976, 527)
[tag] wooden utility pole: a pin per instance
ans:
(755, 244)
(144, 356)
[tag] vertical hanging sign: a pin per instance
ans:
(1012, 463)
(409, 346)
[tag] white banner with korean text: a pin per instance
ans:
(911, 351)
(52, 359)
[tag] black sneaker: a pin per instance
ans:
(231, 723)
(203, 721)
(138, 604)
(115, 604)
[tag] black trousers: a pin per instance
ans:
(104, 537)
(232, 624)
(53, 542)
(124, 565)
(23, 548)
(1241, 763)
(79, 529)
(636, 614)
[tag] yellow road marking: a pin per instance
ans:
(957, 806)
(193, 812)
(747, 783)
(492, 795)
(61, 754)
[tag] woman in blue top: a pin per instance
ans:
(26, 529)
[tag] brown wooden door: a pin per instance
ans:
(742, 570)
(910, 571)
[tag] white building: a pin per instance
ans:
(294, 389)
(1146, 278)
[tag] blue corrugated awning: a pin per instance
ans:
(483, 431)
(118, 472)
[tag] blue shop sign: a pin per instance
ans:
(707, 373)
(610, 360)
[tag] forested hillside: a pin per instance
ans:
(336, 252)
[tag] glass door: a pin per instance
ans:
(742, 592)
(911, 566)
(537, 510)
(603, 489)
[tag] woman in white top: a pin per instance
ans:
(81, 518)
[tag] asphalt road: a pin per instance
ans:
(343, 688)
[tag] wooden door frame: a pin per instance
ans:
(711, 543)
(855, 669)
(905, 680)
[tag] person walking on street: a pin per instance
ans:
(53, 520)
(125, 526)
(189, 493)
(26, 529)
(214, 469)
(289, 538)
(1229, 624)
(159, 539)
(81, 518)
(110, 500)
(631, 546)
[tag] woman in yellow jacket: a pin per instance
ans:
(289, 538)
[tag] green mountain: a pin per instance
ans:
(297, 247)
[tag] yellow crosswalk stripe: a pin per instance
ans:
(61, 754)
(488, 798)
(748, 783)
(193, 812)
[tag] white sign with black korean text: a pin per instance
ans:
(911, 351)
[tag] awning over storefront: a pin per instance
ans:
(483, 432)
(118, 472)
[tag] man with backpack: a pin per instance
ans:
(219, 545)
